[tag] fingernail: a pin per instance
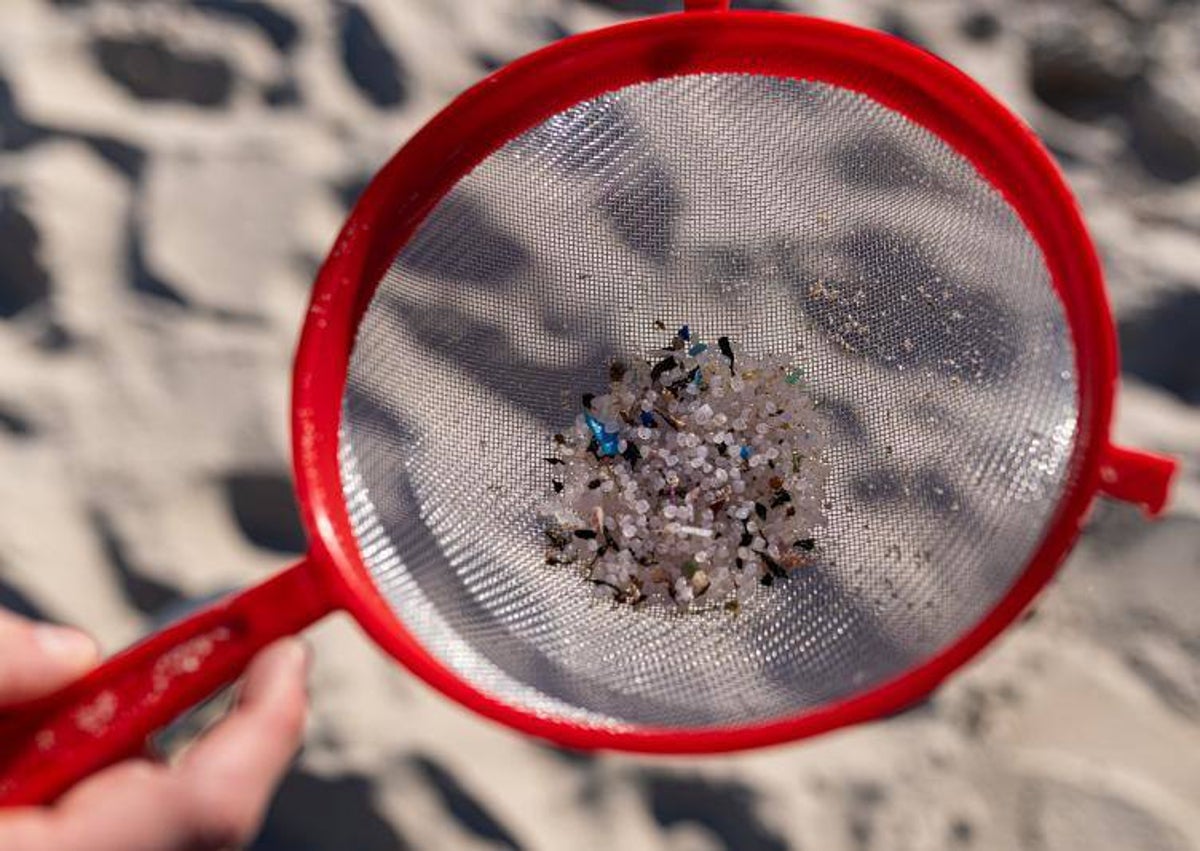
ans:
(296, 661)
(294, 655)
(69, 647)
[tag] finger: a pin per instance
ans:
(40, 658)
(235, 767)
(134, 806)
(214, 799)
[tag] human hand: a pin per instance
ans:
(213, 797)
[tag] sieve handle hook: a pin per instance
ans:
(48, 745)
(1142, 478)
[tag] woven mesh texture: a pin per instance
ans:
(795, 217)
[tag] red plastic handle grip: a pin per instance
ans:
(48, 745)
(706, 5)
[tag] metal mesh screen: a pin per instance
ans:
(793, 217)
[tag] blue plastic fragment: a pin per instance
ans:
(697, 349)
(647, 419)
(607, 442)
(685, 333)
(745, 452)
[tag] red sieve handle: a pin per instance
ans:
(1142, 478)
(706, 5)
(48, 745)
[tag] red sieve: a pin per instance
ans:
(804, 187)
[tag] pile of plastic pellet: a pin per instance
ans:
(698, 476)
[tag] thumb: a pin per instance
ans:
(38, 658)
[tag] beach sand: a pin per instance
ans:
(171, 175)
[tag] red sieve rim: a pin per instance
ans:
(926, 89)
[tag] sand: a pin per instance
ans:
(171, 174)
